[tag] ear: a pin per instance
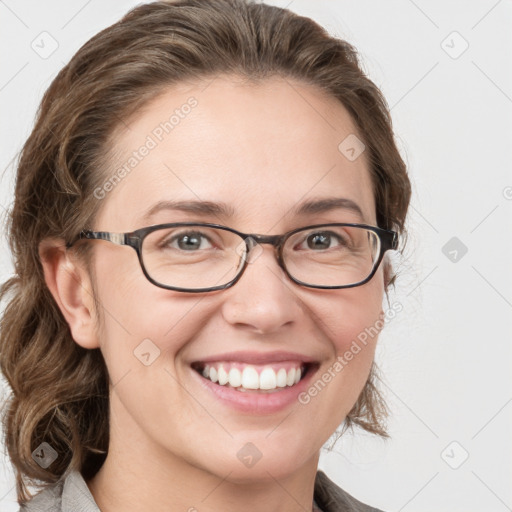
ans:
(70, 284)
(389, 276)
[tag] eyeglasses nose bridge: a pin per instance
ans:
(252, 241)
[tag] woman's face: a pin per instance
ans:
(262, 151)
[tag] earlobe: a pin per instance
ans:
(71, 287)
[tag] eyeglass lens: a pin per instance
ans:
(195, 257)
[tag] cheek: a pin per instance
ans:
(354, 316)
(145, 329)
(351, 323)
(142, 323)
(142, 319)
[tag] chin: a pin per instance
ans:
(273, 468)
(248, 462)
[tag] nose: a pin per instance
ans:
(264, 299)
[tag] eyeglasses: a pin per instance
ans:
(203, 257)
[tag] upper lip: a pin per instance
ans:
(257, 357)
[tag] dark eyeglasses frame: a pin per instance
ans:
(388, 241)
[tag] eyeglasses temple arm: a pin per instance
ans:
(116, 238)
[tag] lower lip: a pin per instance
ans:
(257, 403)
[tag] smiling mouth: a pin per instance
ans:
(268, 378)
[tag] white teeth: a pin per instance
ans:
(290, 378)
(223, 376)
(267, 379)
(235, 377)
(250, 378)
(281, 378)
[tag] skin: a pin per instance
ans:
(262, 149)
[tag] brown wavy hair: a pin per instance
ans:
(60, 391)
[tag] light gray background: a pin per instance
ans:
(446, 357)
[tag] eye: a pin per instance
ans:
(188, 241)
(325, 240)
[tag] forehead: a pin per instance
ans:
(261, 149)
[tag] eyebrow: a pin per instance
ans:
(328, 204)
(224, 210)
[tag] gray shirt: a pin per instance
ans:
(72, 495)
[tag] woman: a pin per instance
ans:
(250, 165)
